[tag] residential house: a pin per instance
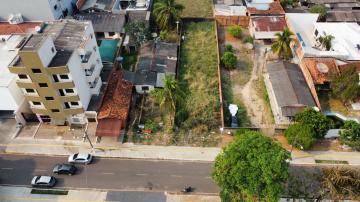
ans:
(264, 8)
(231, 12)
(58, 71)
(265, 27)
(288, 91)
(17, 11)
(115, 6)
(156, 60)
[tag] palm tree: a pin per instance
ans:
(169, 97)
(166, 13)
(325, 41)
(281, 45)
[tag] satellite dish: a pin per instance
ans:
(323, 68)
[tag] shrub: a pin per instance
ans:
(235, 31)
(350, 135)
(285, 3)
(150, 124)
(164, 35)
(229, 48)
(248, 39)
(316, 120)
(300, 136)
(318, 9)
(229, 60)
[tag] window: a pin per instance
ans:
(316, 32)
(94, 48)
(67, 106)
(36, 103)
(56, 79)
(91, 36)
(29, 90)
(69, 90)
(64, 76)
(43, 85)
(55, 110)
(49, 98)
(22, 76)
(36, 71)
(61, 92)
(144, 88)
(55, 7)
(52, 49)
(74, 103)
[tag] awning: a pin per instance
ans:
(108, 127)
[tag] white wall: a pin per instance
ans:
(140, 91)
(45, 53)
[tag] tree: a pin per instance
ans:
(229, 60)
(340, 183)
(281, 45)
(300, 136)
(318, 9)
(350, 135)
(285, 3)
(166, 13)
(169, 97)
(235, 31)
(325, 41)
(316, 120)
(346, 85)
(229, 48)
(251, 168)
(138, 32)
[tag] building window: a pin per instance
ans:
(74, 103)
(22, 76)
(316, 32)
(36, 71)
(91, 36)
(61, 92)
(145, 88)
(55, 110)
(43, 85)
(68, 90)
(64, 76)
(67, 106)
(52, 49)
(29, 90)
(49, 98)
(94, 48)
(56, 79)
(55, 7)
(36, 103)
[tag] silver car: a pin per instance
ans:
(43, 181)
(83, 158)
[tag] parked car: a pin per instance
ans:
(80, 158)
(43, 181)
(64, 169)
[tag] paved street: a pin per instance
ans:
(111, 173)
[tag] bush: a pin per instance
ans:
(235, 31)
(318, 9)
(285, 3)
(164, 35)
(248, 39)
(350, 135)
(316, 120)
(229, 48)
(229, 60)
(150, 124)
(300, 136)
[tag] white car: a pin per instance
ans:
(83, 158)
(43, 181)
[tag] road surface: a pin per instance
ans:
(111, 173)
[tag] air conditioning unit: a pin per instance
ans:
(15, 19)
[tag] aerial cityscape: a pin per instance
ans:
(179, 100)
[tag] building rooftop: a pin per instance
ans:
(268, 23)
(321, 69)
(104, 22)
(26, 27)
(328, 1)
(273, 8)
(289, 86)
(343, 16)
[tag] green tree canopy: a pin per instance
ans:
(325, 41)
(346, 85)
(350, 135)
(235, 31)
(316, 120)
(229, 60)
(138, 32)
(166, 13)
(281, 45)
(251, 168)
(300, 136)
(318, 9)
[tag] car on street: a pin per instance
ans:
(63, 168)
(43, 181)
(83, 158)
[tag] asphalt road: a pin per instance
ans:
(111, 173)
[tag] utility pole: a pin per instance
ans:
(87, 136)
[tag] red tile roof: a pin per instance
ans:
(313, 64)
(345, 66)
(275, 9)
(268, 23)
(108, 127)
(6, 28)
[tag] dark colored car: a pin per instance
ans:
(43, 181)
(64, 169)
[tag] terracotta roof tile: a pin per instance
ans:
(314, 66)
(345, 66)
(275, 9)
(268, 23)
(6, 28)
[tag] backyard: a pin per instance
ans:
(329, 103)
(196, 8)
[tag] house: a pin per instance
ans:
(106, 25)
(115, 6)
(156, 60)
(265, 27)
(287, 89)
(264, 8)
(58, 70)
(17, 11)
(25, 27)
(230, 12)
(13, 103)
(321, 70)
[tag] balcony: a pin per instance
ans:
(24, 84)
(85, 58)
(32, 97)
(57, 70)
(38, 110)
(62, 85)
(69, 98)
(73, 111)
(17, 67)
(96, 86)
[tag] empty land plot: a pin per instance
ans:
(196, 8)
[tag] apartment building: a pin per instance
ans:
(58, 71)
